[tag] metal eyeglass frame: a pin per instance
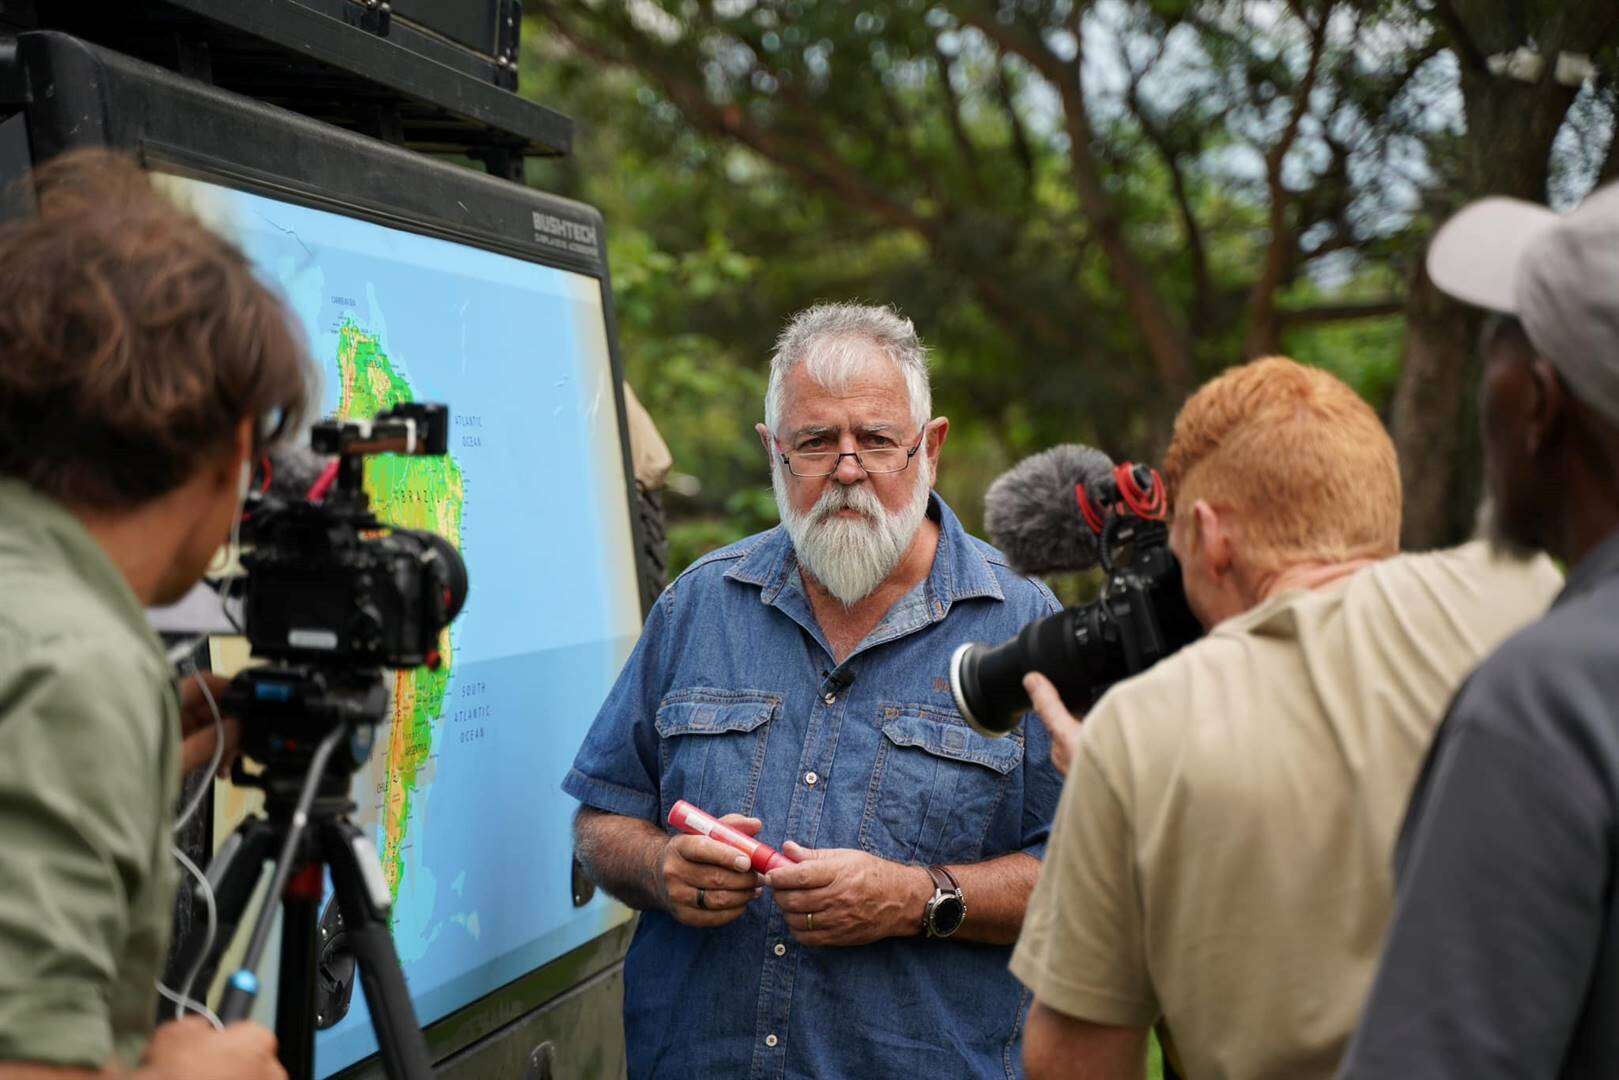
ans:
(786, 459)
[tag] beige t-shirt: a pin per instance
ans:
(1221, 856)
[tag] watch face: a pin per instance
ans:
(947, 915)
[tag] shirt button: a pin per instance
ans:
(771, 1040)
(781, 950)
(810, 778)
(829, 697)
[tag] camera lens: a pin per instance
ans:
(1077, 649)
(455, 573)
(987, 682)
(989, 696)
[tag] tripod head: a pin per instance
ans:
(287, 710)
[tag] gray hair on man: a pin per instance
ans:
(835, 341)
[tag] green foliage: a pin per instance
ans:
(1363, 352)
(1079, 253)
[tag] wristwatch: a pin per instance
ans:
(947, 909)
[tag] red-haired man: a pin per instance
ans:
(1220, 859)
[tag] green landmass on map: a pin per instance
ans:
(406, 492)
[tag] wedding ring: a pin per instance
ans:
(809, 921)
(702, 899)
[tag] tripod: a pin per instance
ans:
(306, 827)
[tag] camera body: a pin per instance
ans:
(1140, 617)
(338, 595)
(329, 584)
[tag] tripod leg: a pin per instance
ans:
(363, 898)
(295, 990)
(233, 875)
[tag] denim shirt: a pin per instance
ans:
(732, 700)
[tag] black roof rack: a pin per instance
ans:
(361, 65)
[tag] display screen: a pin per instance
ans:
(462, 792)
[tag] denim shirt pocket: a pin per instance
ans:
(935, 787)
(711, 747)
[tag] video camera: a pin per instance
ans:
(332, 594)
(1141, 615)
(327, 582)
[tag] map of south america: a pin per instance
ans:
(413, 493)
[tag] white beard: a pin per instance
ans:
(850, 557)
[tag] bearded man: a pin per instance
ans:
(795, 683)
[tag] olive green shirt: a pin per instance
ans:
(89, 775)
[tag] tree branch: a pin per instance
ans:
(1165, 341)
(1021, 146)
(1325, 313)
(901, 126)
(1202, 289)
(1263, 329)
(958, 130)
(813, 166)
(809, 160)
(1403, 79)
(1467, 50)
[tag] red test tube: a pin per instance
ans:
(689, 819)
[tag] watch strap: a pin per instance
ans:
(945, 887)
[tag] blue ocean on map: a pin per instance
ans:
(494, 870)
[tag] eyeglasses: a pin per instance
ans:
(885, 459)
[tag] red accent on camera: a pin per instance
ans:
(1088, 510)
(1150, 504)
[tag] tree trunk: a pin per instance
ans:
(1426, 417)
(1506, 151)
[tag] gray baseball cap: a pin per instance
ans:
(1558, 273)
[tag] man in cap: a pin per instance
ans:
(1503, 956)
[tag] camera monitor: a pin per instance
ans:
(462, 792)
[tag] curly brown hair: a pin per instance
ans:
(133, 340)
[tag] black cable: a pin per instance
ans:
(1105, 556)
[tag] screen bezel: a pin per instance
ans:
(459, 1021)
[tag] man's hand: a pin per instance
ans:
(1061, 723)
(197, 725)
(191, 1049)
(839, 896)
(696, 867)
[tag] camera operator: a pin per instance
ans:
(140, 357)
(1219, 861)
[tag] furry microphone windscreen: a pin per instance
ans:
(293, 469)
(1032, 514)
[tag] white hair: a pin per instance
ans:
(835, 341)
